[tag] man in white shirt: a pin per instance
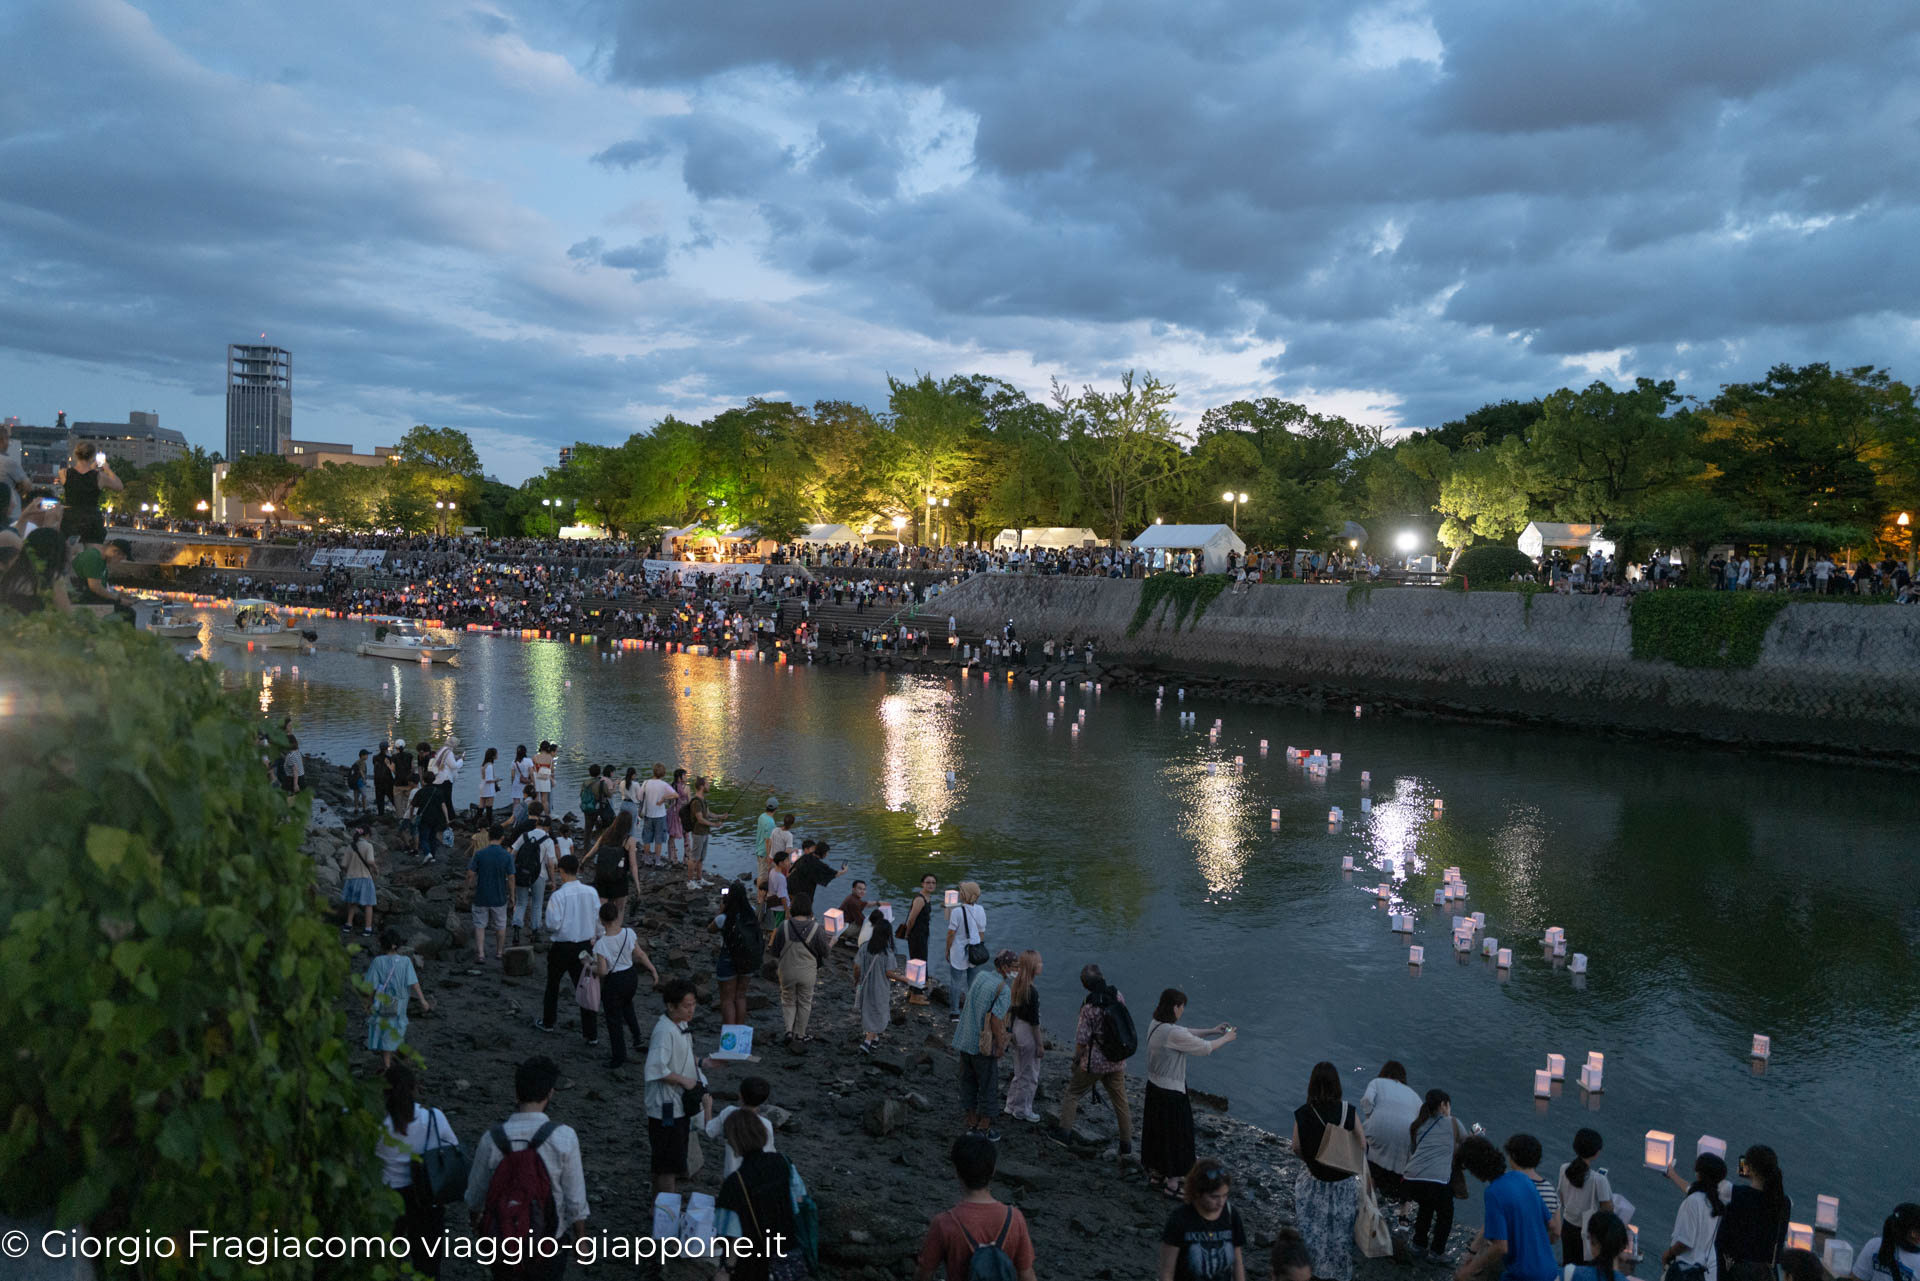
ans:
(655, 795)
(754, 1092)
(671, 1071)
(559, 1149)
(573, 919)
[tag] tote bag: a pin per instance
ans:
(1341, 1147)
(445, 1165)
(1371, 1231)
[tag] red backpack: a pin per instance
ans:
(520, 1195)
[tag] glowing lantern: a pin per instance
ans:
(1578, 963)
(1799, 1236)
(835, 921)
(917, 973)
(1762, 1046)
(1557, 1066)
(1708, 1143)
(1659, 1149)
(1826, 1213)
(1346, 863)
(1542, 1084)
(1416, 955)
(953, 898)
(1503, 959)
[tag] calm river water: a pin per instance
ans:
(1717, 896)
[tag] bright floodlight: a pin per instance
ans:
(1407, 541)
(1227, 497)
(1243, 498)
(899, 522)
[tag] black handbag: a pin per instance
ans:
(976, 950)
(446, 1167)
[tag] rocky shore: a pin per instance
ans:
(869, 1134)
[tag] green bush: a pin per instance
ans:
(1490, 563)
(1696, 628)
(1185, 593)
(177, 1050)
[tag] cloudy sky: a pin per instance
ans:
(543, 222)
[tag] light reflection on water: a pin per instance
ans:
(1717, 895)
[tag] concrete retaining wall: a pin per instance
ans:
(1831, 677)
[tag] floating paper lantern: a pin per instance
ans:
(1416, 955)
(1365, 778)
(1659, 1150)
(1557, 1066)
(835, 921)
(1799, 1236)
(1181, 693)
(1334, 759)
(1707, 1143)
(950, 776)
(1209, 763)
(1462, 943)
(917, 973)
(1239, 762)
(1503, 959)
(1490, 947)
(1263, 747)
(1542, 1084)
(1159, 689)
(1440, 898)
(1346, 863)
(1438, 804)
(1075, 727)
(953, 898)
(1403, 923)
(1049, 718)
(1590, 1078)
(1553, 932)
(1559, 947)
(1826, 1213)
(1366, 805)
(1838, 1256)
(1578, 964)
(1762, 1046)
(1596, 1060)
(1383, 891)
(1274, 815)
(1333, 815)
(1479, 920)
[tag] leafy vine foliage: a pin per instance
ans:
(1703, 628)
(1186, 594)
(177, 1053)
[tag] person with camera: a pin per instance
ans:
(81, 482)
(1166, 1131)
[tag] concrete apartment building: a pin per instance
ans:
(140, 440)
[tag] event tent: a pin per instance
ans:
(1213, 542)
(1538, 536)
(829, 535)
(1051, 536)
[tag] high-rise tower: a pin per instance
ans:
(259, 399)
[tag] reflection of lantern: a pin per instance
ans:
(1826, 1213)
(917, 973)
(1557, 1066)
(1542, 1084)
(1762, 1046)
(1799, 1236)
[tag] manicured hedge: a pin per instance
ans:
(1490, 563)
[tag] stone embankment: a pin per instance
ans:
(869, 1134)
(1831, 678)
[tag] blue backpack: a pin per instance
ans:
(989, 1262)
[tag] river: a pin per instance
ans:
(1717, 895)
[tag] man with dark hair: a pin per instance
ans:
(559, 1149)
(1091, 1067)
(977, 1221)
(674, 1085)
(981, 1038)
(1517, 1246)
(90, 569)
(573, 920)
(810, 872)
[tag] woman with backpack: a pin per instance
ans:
(737, 959)
(616, 866)
(411, 1131)
(762, 1200)
(393, 979)
(1166, 1130)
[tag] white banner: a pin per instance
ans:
(350, 557)
(723, 569)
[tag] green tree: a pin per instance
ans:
(501, 509)
(1482, 495)
(1597, 455)
(1121, 447)
(931, 425)
(262, 478)
(344, 494)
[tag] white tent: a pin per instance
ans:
(829, 535)
(1538, 536)
(1213, 542)
(1051, 536)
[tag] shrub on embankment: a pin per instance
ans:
(177, 1054)
(1485, 564)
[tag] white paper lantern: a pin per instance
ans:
(1366, 805)
(1542, 1084)
(953, 898)
(1553, 932)
(1503, 959)
(1659, 1153)
(1416, 955)
(1826, 1213)
(1331, 760)
(1438, 804)
(1838, 1256)
(1403, 923)
(1440, 898)
(1590, 1078)
(1157, 689)
(1462, 943)
(1557, 1066)
(1479, 920)
(1346, 863)
(1263, 747)
(1762, 1046)
(1596, 1060)
(835, 921)
(1559, 947)
(1799, 1236)
(1274, 814)
(1490, 947)
(1707, 1143)
(917, 973)
(1578, 963)
(1383, 891)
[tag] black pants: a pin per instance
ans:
(420, 1222)
(616, 1001)
(564, 958)
(382, 797)
(1573, 1245)
(1434, 1223)
(1390, 1186)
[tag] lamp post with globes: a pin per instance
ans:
(899, 523)
(1905, 521)
(1236, 499)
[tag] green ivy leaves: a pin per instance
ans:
(1186, 594)
(1703, 628)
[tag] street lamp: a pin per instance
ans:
(200, 506)
(899, 523)
(1407, 541)
(1236, 500)
(1905, 522)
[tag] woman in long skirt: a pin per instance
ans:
(877, 964)
(1166, 1133)
(1326, 1194)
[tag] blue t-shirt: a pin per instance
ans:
(989, 993)
(491, 868)
(1517, 1216)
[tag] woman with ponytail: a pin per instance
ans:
(410, 1131)
(1606, 1241)
(1584, 1192)
(1432, 1140)
(1753, 1231)
(1696, 1227)
(1289, 1259)
(1894, 1255)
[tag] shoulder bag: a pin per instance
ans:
(446, 1165)
(976, 948)
(586, 988)
(1340, 1146)
(1371, 1231)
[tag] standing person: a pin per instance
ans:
(392, 977)
(782, 840)
(382, 780)
(854, 907)
(614, 955)
(1326, 1193)
(674, 1086)
(761, 1191)
(754, 1093)
(357, 890)
(1433, 1138)
(573, 920)
(543, 762)
(1606, 1241)
(402, 768)
(590, 800)
(1028, 1044)
(1517, 1246)
(520, 773)
(630, 794)
(699, 820)
(1387, 1109)
(977, 1222)
(1584, 1192)
(676, 829)
(810, 873)
(489, 784)
(410, 1132)
(981, 1038)
(81, 482)
(1103, 1030)
(916, 929)
(536, 853)
(801, 945)
(616, 864)
(1166, 1129)
(875, 967)
(293, 767)
(773, 891)
(737, 959)
(1692, 1256)
(762, 829)
(528, 1129)
(1204, 1239)
(490, 880)
(966, 939)
(1753, 1230)
(1523, 1154)
(357, 778)
(1894, 1255)
(656, 795)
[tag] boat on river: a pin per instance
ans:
(257, 623)
(404, 639)
(174, 623)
